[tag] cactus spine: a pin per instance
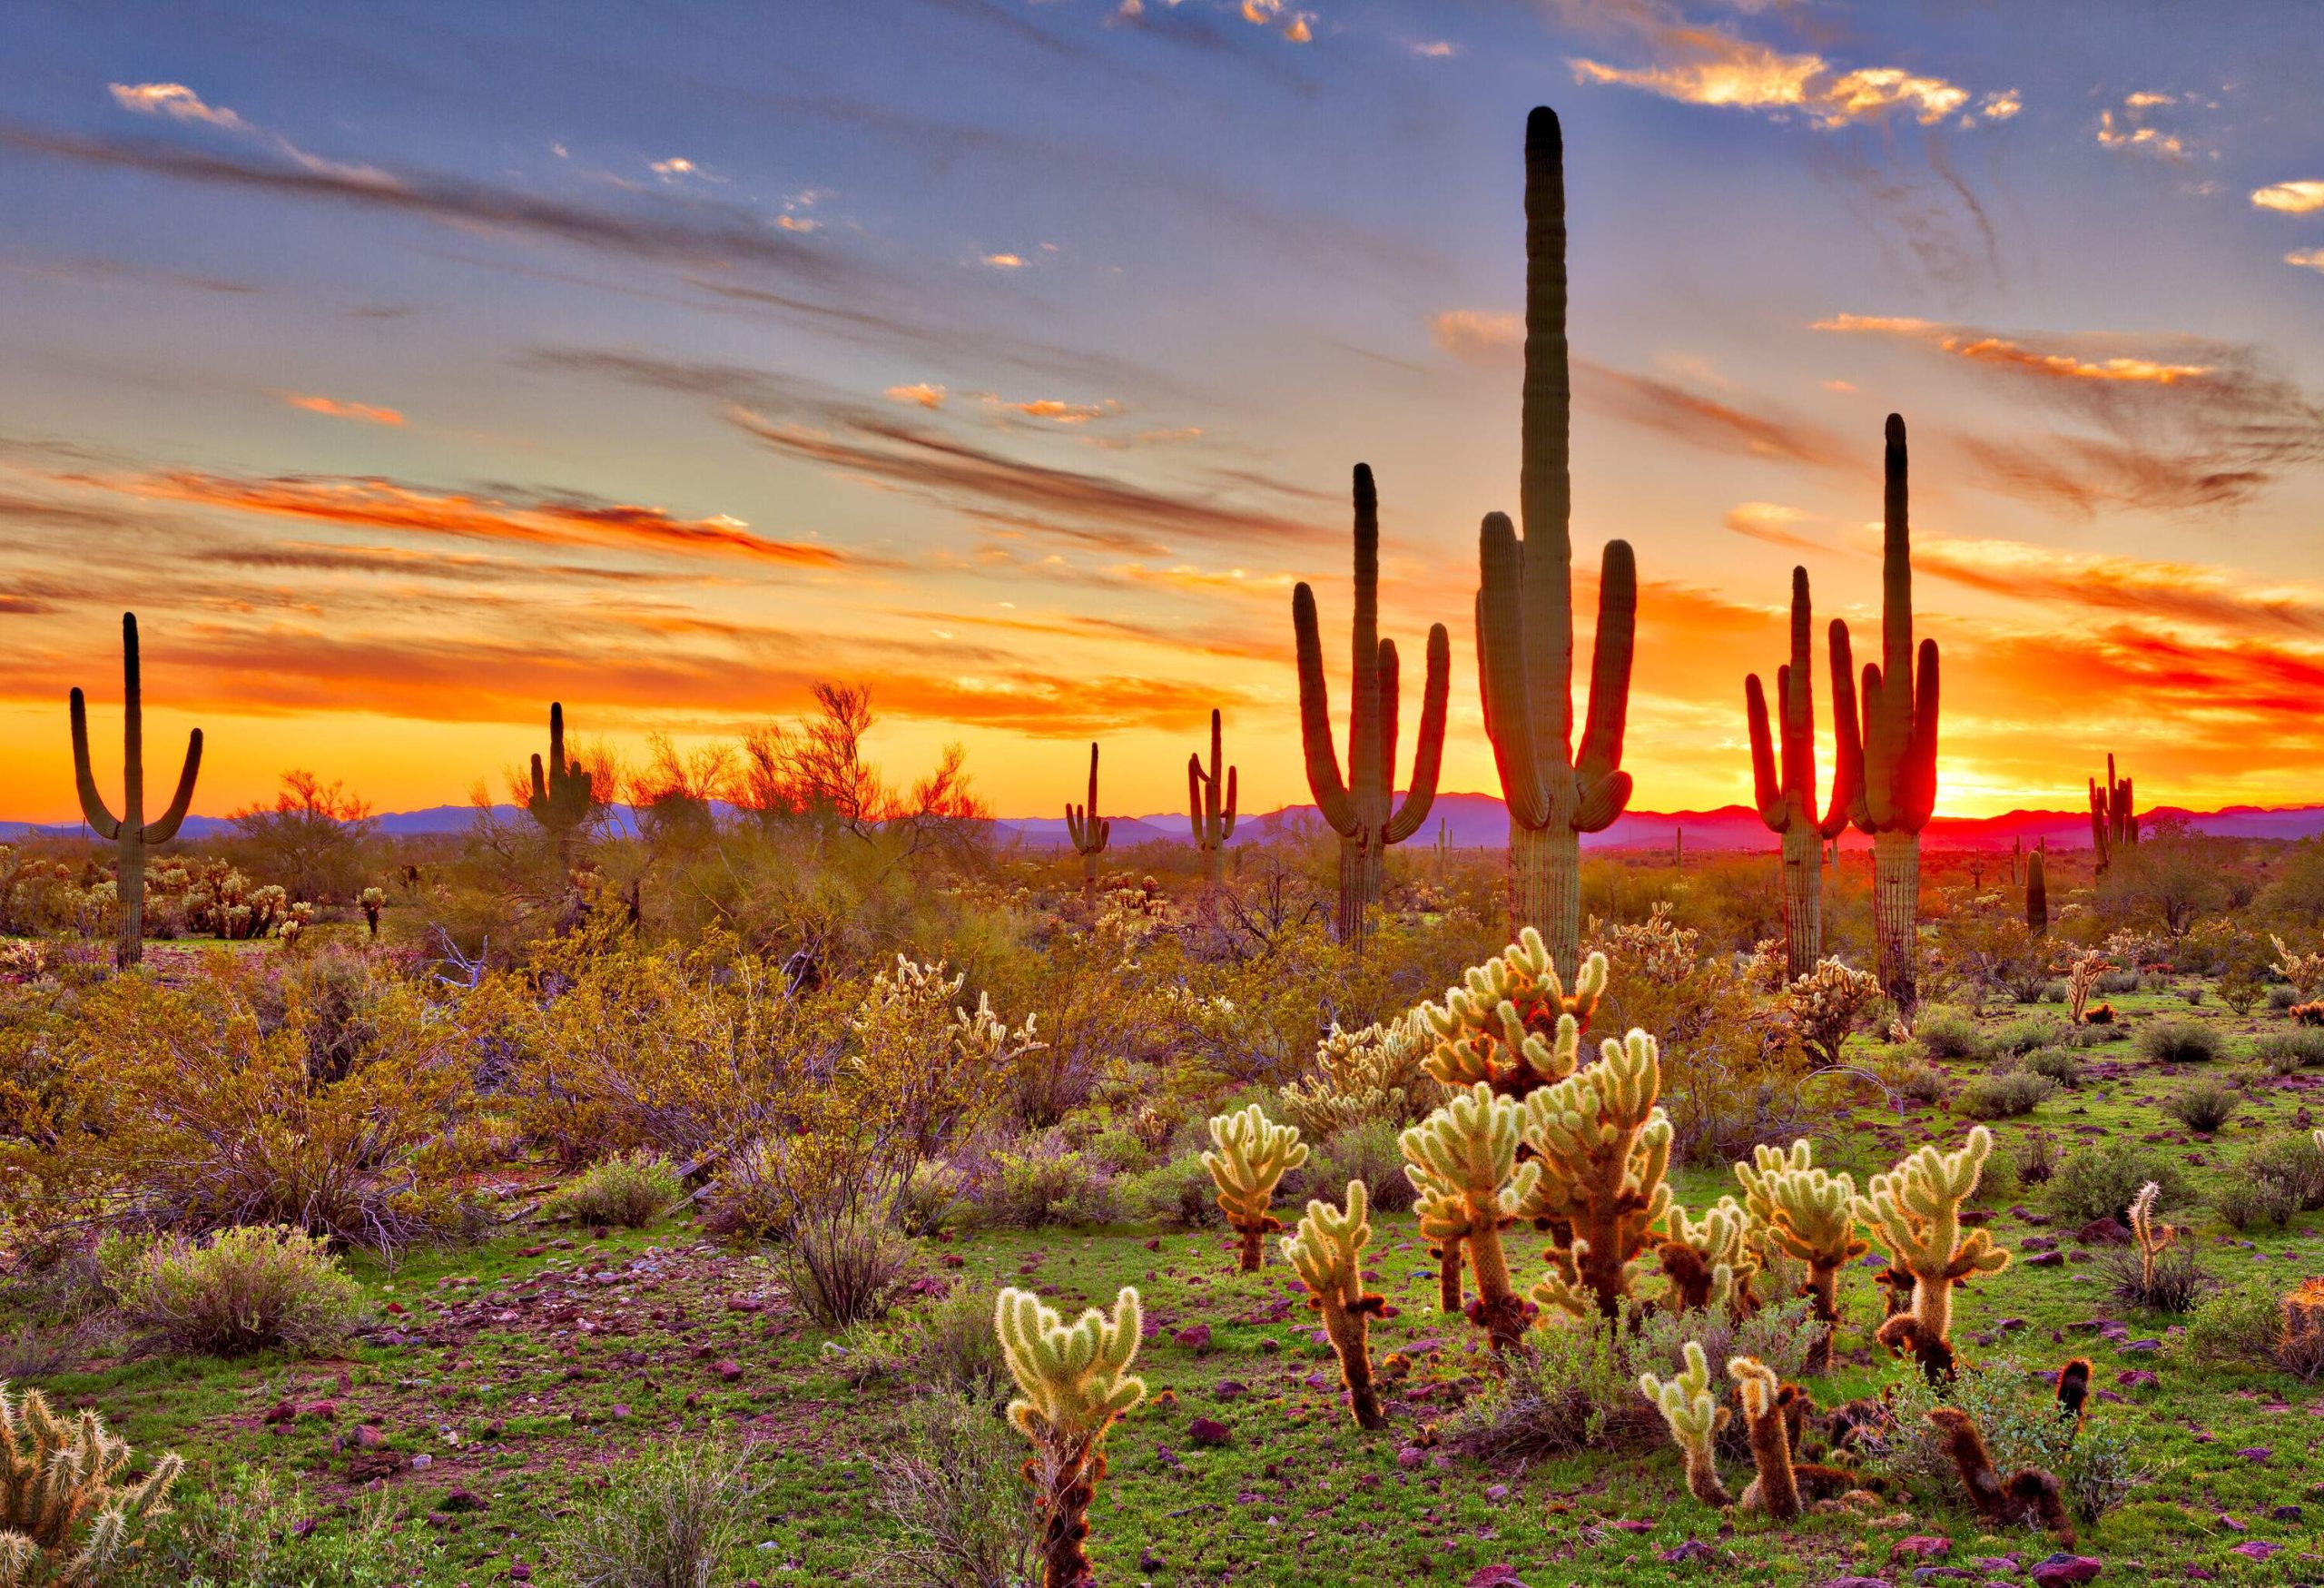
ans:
(563, 792)
(1328, 1253)
(1811, 1215)
(1787, 797)
(2113, 825)
(1463, 1161)
(1897, 788)
(1213, 818)
(132, 833)
(1253, 1153)
(1361, 808)
(2037, 894)
(1076, 1382)
(1694, 1419)
(1089, 831)
(1525, 608)
(57, 1492)
(1915, 1208)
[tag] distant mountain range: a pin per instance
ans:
(1470, 821)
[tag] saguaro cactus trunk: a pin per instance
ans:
(130, 833)
(564, 793)
(1787, 797)
(1525, 608)
(1362, 808)
(1897, 790)
(2113, 825)
(1213, 817)
(1089, 831)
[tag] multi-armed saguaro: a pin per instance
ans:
(1089, 831)
(1362, 808)
(132, 833)
(1525, 608)
(1787, 800)
(564, 793)
(1897, 789)
(1211, 811)
(2113, 825)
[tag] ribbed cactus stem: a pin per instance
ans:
(1211, 812)
(1360, 805)
(2037, 895)
(1786, 791)
(1525, 607)
(1898, 701)
(563, 793)
(1089, 832)
(130, 834)
(2113, 821)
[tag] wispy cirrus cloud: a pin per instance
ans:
(332, 408)
(1479, 336)
(1985, 347)
(2226, 599)
(1712, 424)
(175, 102)
(1773, 523)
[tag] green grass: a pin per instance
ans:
(511, 1377)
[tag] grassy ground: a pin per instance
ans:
(513, 1372)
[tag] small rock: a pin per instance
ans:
(1204, 1431)
(1231, 1389)
(2065, 1571)
(727, 1368)
(1921, 1546)
(1194, 1337)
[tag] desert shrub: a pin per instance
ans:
(2281, 996)
(2292, 1159)
(1043, 1182)
(666, 1519)
(2192, 993)
(2098, 1182)
(631, 1191)
(933, 1068)
(1920, 1080)
(2205, 1105)
(246, 1289)
(2034, 1157)
(1179, 1193)
(256, 1530)
(2236, 1324)
(954, 1488)
(2176, 1040)
(2096, 1464)
(2057, 1063)
(2089, 1036)
(946, 1346)
(1945, 1033)
(1779, 1335)
(2284, 1051)
(2005, 1095)
(2114, 984)
(829, 1194)
(2249, 1203)
(2053, 991)
(929, 1197)
(2176, 1284)
(2020, 1037)
(1565, 1390)
(1367, 1152)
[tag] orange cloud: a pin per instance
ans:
(2216, 597)
(1478, 335)
(1710, 424)
(2290, 198)
(1772, 522)
(919, 392)
(334, 408)
(1987, 348)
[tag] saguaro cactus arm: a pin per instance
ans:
(1213, 819)
(93, 804)
(1087, 829)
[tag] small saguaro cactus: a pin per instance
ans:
(1916, 1209)
(63, 1520)
(1603, 1144)
(1253, 1153)
(1361, 807)
(1776, 1488)
(130, 834)
(1211, 812)
(1694, 1419)
(1076, 1382)
(1511, 1023)
(2037, 894)
(2113, 824)
(1896, 792)
(1787, 796)
(1811, 1215)
(2152, 1236)
(564, 793)
(1326, 1251)
(1463, 1161)
(1089, 831)
(1525, 605)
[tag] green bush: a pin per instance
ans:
(1367, 1152)
(630, 1191)
(2098, 1182)
(2245, 1204)
(948, 1347)
(2057, 1063)
(2178, 1039)
(1043, 1182)
(247, 1289)
(2300, 1047)
(256, 1530)
(954, 1489)
(2204, 1106)
(2025, 1035)
(2293, 1160)
(2094, 1462)
(1180, 1194)
(2239, 1324)
(2004, 1096)
(669, 1519)
(1945, 1033)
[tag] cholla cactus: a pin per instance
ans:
(1915, 1208)
(1694, 1419)
(1375, 1073)
(934, 1067)
(1710, 1262)
(2304, 972)
(62, 1522)
(2150, 1234)
(373, 901)
(1463, 1161)
(1776, 1489)
(2081, 981)
(1657, 950)
(1512, 1024)
(1811, 1215)
(1076, 1382)
(1824, 1006)
(1603, 1142)
(1326, 1251)
(1253, 1153)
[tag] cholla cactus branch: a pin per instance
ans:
(1915, 1210)
(1809, 1214)
(1326, 1251)
(1776, 1488)
(2081, 981)
(1603, 1144)
(1511, 1023)
(1373, 1074)
(1695, 1418)
(1825, 1006)
(1252, 1155)
(1462, 1162)
(1075, 1382)
(62, 1521)
(2151, 1235)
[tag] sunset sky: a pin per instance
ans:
(407, 366)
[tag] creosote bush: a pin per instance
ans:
(2205, 1105)
(1945, 1033)
(2178, 1039)
(244, 1289)
(630, 1191)
(2005, 1095)
(2100, 1182)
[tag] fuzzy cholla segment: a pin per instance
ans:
(1724, 1239)
(1253, 1153)
(1463, 1161)
(1076, 1379)
(62, 1520)
(1691, 1410)
(1326, 1251)
(1514, 1024)
(1807, 1212)
(1374, 1074)
(1915, 1208)
(1603, 1143)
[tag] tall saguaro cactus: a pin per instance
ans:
(132, 833)
(2113, 825)
(1898, 787)
(2037, 895)
(564, 793)
(1362, 808)
(1525, 608)
(1786, 798)
(1089, 831)
(1210, 810)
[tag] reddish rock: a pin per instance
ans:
(1203, 1431)
(2065, 1571)
(1921, 1546)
